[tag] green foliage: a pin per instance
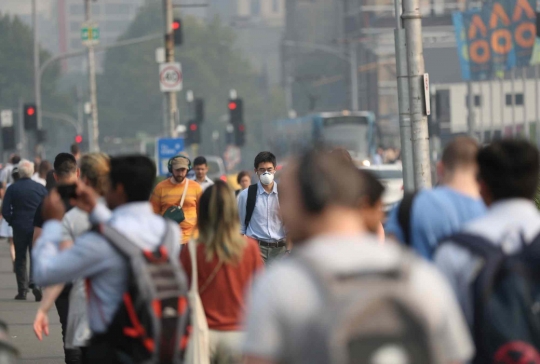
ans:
(129, 97)
(17, 76)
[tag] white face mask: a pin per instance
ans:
(266, 178)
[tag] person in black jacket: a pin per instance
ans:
(18, 208)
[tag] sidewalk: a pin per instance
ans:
(19, 315)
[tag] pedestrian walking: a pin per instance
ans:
(259, 211)
(200, 166)
(5, 175)
(290, 314)
(6, 231)
(226, 265)
(18, 208)
(131, 225)
(71, 302)
(492, 264)
(244, 180)
(41, 173)
(421, 220)
(76, 151)
(178, 197)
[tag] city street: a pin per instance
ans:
(19, 316)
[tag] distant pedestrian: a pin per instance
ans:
(492, 264)
(178, 191)
(41, 173)
(258, 207)
(5, 175)
(378, 158)
(438, 213)
(226, 265)
(76, 151)
(6, 231)
(371, 206)
(18, 208)
(244, 180)
(295, 299)
(200, 166)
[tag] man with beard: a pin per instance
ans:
(178, 191)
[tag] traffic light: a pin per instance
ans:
(177, 30)
(240, 134)
(236, 111)
(30, 116)
(199, 110)
(193, 133)
(78, 139)
(8, 138)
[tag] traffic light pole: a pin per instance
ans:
(94, 141)
(172, 106)
(37, 78)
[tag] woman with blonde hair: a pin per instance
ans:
(226, 264)
(94, 172)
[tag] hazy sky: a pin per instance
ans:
(24, 6)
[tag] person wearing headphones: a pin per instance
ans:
(177, 197)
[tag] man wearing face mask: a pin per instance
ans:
(258, 207)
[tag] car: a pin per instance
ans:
(391, 176)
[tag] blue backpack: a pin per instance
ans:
(506, 295)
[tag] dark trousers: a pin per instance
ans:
(71, 356)
(100, 351)
(22, 239)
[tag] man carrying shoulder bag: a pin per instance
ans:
(176, 198)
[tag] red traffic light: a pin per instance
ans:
(193, 127)
(30, 111)
(241, 127)
(176, 25)
(78, 139)
(232, 105)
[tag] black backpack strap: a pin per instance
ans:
(250, 204)
(404, 216)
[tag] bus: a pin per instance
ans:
(354, 131)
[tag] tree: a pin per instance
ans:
(17, 76)
(129, 96)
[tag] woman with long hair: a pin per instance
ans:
(226, 264)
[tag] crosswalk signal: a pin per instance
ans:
(193, 133)
(236, 111)
(177, 30)
(30, 116)
(199, 110)
(240, 134)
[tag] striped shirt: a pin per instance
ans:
(167, 194)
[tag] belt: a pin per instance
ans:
(272, 243)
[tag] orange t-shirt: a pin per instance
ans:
(224, 298)
(167, 194)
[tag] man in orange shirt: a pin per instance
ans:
(169, 193)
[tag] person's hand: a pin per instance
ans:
(53, 207)
(41, 324)
(86, 198)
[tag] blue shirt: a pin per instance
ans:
(21, 202)
(94, 258)
(266, 223)
(436, 214)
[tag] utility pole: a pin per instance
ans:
(354, 73)
(403, 101)
(412, 21)
(525, 121)
(37, 78)
(172, 106)
(94, 141)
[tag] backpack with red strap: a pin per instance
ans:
(152, 322)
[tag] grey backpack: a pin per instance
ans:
(368, 317)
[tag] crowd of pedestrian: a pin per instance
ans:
(300, 271)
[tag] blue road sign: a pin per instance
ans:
(165, 149)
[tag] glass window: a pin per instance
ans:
(477, 100)
(117, 9)
(74, 26)
(275, 6)
(255, 7)
(508, 99)
(519, 99)
(76, 9)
